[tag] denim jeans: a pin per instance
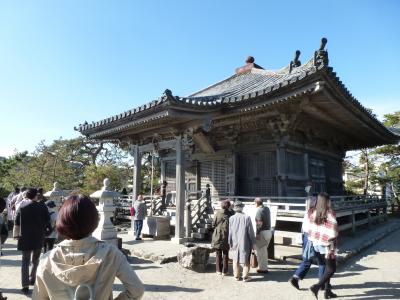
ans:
(26, 260)
(305, 265)
(138, 225)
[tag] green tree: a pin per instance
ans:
(389, 170)
(65, 161)
(94, 176)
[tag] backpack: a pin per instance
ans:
(49, 229)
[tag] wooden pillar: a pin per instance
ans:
(271, 247)
(306, 172)
(137, 166)
(281, 168)
(235, 169)
(162, 171)
(180, 191)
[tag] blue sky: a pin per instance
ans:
(64, 62)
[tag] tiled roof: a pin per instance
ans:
(239, 88)
(254, 81)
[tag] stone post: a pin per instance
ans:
(105, 231)
(56, 195)
(180, 192)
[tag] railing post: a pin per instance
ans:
(353, 221)
(369, 218)
(385, 215)
(271, 247)
(188, 220)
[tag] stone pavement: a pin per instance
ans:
(354, 280)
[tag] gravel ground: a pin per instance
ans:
(371, 275)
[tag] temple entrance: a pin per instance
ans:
(257, 173)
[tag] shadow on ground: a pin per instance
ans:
(379, 290)
(6, 292)
(161, 288)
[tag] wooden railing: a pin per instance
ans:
(298, 205)
(199, 209)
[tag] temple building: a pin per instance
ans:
(256, 133)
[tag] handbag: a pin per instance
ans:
(253, 260)
(309, 252)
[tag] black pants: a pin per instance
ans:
(330, 269)
(48, 244)
(222, 260)
(27, 256)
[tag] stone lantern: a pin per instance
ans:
(56, 195)
(105, 231)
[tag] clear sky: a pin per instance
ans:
(64, 62)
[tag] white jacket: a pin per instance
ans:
(85, 261)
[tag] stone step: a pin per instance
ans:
(204, 225)
(202, 230)
(197, 235)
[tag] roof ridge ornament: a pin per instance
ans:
(295, 62)
(167, 95)
(321, 55)
(248, 66)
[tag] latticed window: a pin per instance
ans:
(318, 174)
(295, 164)
(214, 174)
(170, 173)
(257, 173)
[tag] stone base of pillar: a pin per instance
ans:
(111, 241)
(180, 240)
(157, 226)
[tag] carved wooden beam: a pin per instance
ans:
(203, 143)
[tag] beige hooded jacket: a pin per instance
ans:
(86, 261)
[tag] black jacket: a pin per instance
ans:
(32, 220)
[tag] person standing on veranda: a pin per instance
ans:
(263, 234)
(241, 241)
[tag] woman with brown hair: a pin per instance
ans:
(81, 264)
(322, 233)
(220, 237)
